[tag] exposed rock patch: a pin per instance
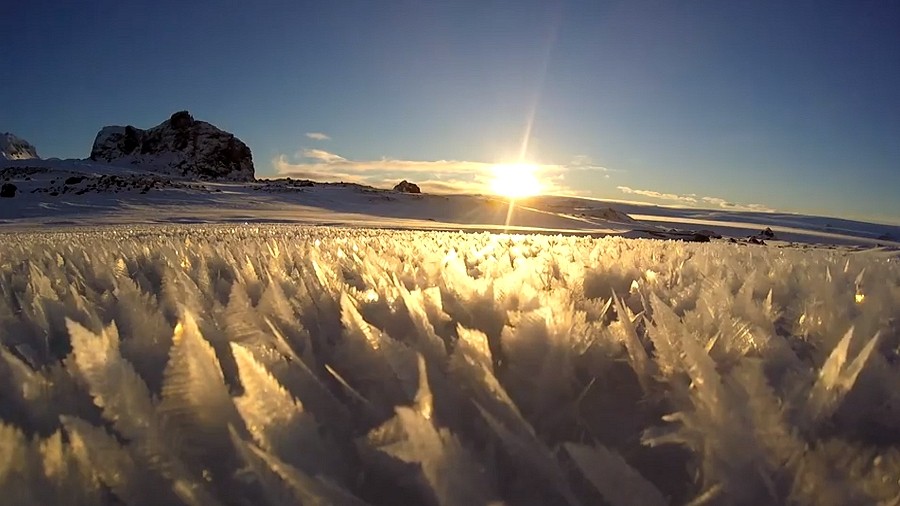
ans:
(9, 173)
(139, 183)
(283, 185)
(682, 235)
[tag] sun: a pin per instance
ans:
(515, 180)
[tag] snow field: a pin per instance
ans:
(312, 365)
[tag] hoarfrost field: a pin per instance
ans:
(310, 365)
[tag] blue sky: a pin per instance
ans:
(793, 106)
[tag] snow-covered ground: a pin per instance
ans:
(127, 196)
(288, 364)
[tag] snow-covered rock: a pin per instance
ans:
(180, 146)
(14, 148)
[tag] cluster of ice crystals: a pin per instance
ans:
(314, 365)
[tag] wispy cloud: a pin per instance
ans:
(321, 154)
(584, 162)
(658, 195)
(693, 200)
(716, 201)
(318, 136)
(438, 176)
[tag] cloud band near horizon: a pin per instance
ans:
(461, 176)
(437, 176)
(692, 200)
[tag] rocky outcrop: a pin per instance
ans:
(407, 187)
(764, 235)
(14, 148)
(179, 146)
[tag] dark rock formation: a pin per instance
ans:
(283, 185)
(764, 235)
(679, 235)
(180, 146)
(8, 190)
(708, 233)
(407, 187)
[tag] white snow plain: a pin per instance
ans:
(285, 364)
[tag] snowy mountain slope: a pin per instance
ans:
(318, 365)
(14, 148)
(732, 223)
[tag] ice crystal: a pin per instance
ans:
(286, 365)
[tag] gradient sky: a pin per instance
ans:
(792, 106)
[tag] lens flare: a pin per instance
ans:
(515, 180)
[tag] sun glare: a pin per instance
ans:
(515, 180)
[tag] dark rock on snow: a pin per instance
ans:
(684, 235)
(764, 235)
(8, 190)
(407, 187)
(283, 185)
(179, 146)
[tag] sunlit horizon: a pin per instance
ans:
(515, 180)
